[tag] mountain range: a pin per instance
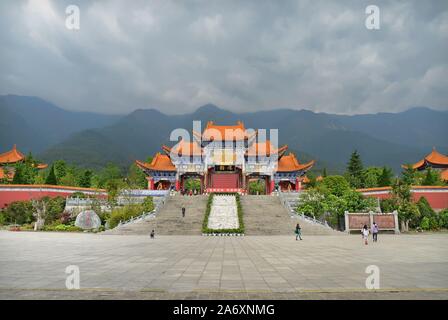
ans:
(92, 140)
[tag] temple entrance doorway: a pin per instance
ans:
(191, 183)
(258, 185)
(225, 177)
(162, 185)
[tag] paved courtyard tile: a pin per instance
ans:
(187, 264)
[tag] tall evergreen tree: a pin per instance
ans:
(85, 180)
(431, 178)
(385, 179)
(408, 175)
(324, 173)
(18, 175)
(355, 170)
(51, 178)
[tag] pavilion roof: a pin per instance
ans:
(289, 163)
(11, 156)
(185, 148)
(444, 175)
(160, 162)
(434, 158)
(224, 133)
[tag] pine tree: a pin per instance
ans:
(408, 175)
(355, 170)
(86, 179)
(385, 178)
(51, 178)
(18, 175)
(431, 178)
(324, 173)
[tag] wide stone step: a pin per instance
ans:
(169, 220)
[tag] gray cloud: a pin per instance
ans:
(240, 55)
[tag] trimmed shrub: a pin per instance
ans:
(424, 224)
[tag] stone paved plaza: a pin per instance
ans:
(32, 265)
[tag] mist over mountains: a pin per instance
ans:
(93, 140)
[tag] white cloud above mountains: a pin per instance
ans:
(240, 55)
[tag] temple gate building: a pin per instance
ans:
(225, 159)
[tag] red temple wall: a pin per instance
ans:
(12, 193)
(436, 196)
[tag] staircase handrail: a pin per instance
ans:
(146, 215)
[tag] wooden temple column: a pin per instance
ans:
(272, 185)
(150, 183)
(298, 184)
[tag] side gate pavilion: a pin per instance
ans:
(225, 159)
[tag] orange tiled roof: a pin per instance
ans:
(288, 163)
(161, 162)
(433, 158)
(264, 148)
(222, 133)
(444, 175)
(11, 156)
(185, 148)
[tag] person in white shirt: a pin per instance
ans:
(365, 234)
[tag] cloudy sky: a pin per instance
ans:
(240, 55)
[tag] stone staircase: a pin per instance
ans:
(265, 215)
(169, 219)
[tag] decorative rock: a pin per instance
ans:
(87, 220)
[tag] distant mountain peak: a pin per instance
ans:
(208, 107)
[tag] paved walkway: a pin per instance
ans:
(33, 264)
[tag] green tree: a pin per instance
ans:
(24, 173)
(85, 179)
(431, 178)
(60, 169)
(371, 177)
(51, 178)
(311, 203)
(336, 185)
(324, 173)
(19, 212)
(443, 218)
(424, 207)
(355, 170)
(385, 179)
(407, 211)
(389, 205)
(136, 178)
(408, 175)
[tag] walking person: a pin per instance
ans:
(183, 212)
(298, 232)
(365, 234)
(375, 230)
(152, 234)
